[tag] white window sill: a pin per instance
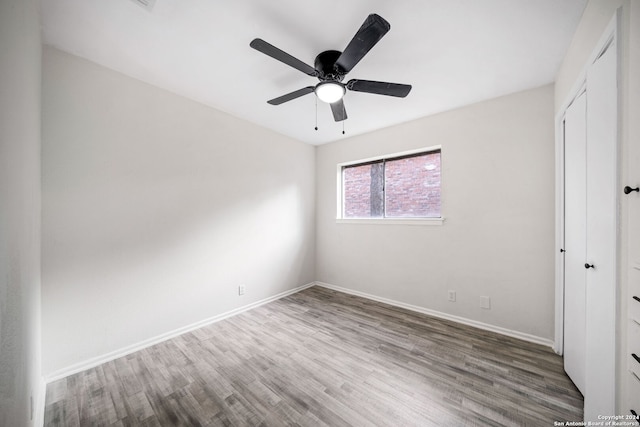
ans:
(394, 221)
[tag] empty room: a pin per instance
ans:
(250, 213)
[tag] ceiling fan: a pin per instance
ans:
(331, 66)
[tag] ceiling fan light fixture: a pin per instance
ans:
(330, 92)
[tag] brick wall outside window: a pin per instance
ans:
(411, 188)
(357, 191)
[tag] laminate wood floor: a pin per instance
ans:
(323, 358)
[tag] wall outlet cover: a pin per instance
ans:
(485, 302)
(452, 296)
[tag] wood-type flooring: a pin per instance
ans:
(323, 358)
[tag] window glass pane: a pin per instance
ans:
(412, 186)
(362, 190)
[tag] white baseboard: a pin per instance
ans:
(463, 320)
(99, 360)
(96, 361)
(40, 396)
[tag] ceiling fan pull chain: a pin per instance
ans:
(316, 113)
(344, 112)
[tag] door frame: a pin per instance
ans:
(611, 34)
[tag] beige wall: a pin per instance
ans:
(155, 210)
(497, 197)
(20, 347)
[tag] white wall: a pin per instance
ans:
(155, 209)
(20, 348)
(498, 201)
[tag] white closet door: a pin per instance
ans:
(601, 235)
(575, 129)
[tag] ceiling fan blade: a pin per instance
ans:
(379, 88)
(338, 110)
(282, 56)
(293, 95)
(370, 33)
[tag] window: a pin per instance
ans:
(405, 185)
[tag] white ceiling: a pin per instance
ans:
(453, 52)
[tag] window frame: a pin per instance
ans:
(386, 157)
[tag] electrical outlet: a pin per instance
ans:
(485, 302)
(241, 290)
(452, 296)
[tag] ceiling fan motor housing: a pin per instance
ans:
(325, 65)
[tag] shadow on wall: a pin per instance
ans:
(132, 227)
(173, 229)
(150, 260)
(156, 209)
